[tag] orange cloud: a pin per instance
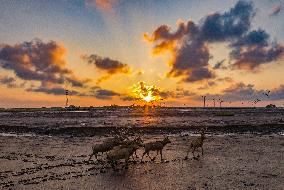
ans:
(103, 5)
(107, 65)
(39, 61)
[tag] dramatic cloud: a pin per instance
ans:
(106, 65)
(275, 10)
(103, 5)
(128, 98)
(232, 24)
(277, 93)
(95, 91)
(190, 55)
(236, 92)
(247, 92)
(38, 61)
(191, 62)
(180, 92)
(52, 90)
(250, 58)
(188, 45)
(8, 81)
(253, 49)
(240, 91)
(105, 94)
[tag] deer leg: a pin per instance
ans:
(156, 155)
(161, 153)
(198, 152)
(202, 150)
(143, 156)
(133, 158)
(112, 163)
(149, 155)
(96, 156)
(126, 163)
(136, 154)
(91, 155)
(193, 152)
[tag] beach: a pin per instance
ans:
(237, 157)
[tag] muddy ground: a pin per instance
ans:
(231, 161)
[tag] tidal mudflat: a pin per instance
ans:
(51, 150)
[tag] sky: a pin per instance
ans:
(123, 52)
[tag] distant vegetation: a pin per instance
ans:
(270, 106)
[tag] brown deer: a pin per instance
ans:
(106, 146)
(122, 152)
(155, 146)
(196, 143)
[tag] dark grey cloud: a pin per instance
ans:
(105, 94)
(252, 57)
(9, 82)
(240, 91)
(277, 93)
(228, 25)
(253, 38)
(128, 98)
(254, 49)
(191, 61)
(94, 91)
(52, 90)
(236, 92)
(38, 61)
(188, 45)
(247, 92)
(106, 64)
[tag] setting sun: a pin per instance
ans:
(147, 93)
(149, 98)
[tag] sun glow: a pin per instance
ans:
(147, 93)
(149, 98)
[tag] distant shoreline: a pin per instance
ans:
(59, 109)
(102, 121)
(265, 129)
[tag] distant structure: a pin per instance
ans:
(204, 101)
(221, 101)
(66, 93)
(214, 102)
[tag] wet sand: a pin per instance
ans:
(236, 161)
(49, 150)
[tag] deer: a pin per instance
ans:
(196, 143)
(155, 146)
(128, 142)
(105, 146)
(122, 152)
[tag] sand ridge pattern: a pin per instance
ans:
(230, 161)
